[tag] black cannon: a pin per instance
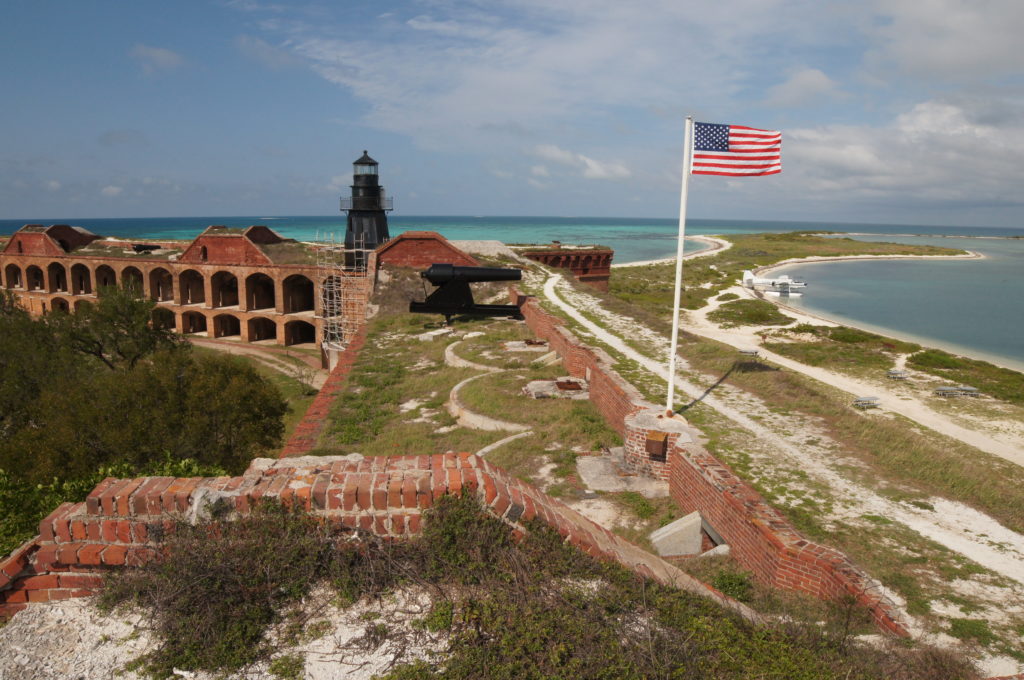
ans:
(453, 295)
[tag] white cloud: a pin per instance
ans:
(585, 166)
(111, 191)
(949, 39)
(937, 151)
(258, 50)
(155, 59)
(540, 171)
(803, 87)
(474, 73)
(53, 185)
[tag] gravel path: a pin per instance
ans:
(954, 525)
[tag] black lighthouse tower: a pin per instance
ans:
(367, 208)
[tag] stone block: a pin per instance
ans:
(679, 538)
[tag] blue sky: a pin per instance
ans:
(904, 111)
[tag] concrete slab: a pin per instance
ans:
(548, 389)
(679, 538)
(607, 473)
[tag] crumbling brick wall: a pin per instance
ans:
(760, 537)
(120, 522)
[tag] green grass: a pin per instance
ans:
(749, 313)
(1001, 383)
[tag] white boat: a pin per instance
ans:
(780, 286)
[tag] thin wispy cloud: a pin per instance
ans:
(155, 59)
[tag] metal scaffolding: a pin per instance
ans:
(342, 275)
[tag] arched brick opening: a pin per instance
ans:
(163, 318)
(56, 278)
(12, 277)
(81, 280)
(224, 289)
(299, 332)
(60, 305)
(193, 322)
(262, 329)
(82, 305)
(34, 277)
(298, 294)
(161, 285)
(131, 277)
(226, 326)
(105, 277)
(259, 292)
(190, 282)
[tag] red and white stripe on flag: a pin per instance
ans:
(735, 150)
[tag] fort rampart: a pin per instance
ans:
(759, 536)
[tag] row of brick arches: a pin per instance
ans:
(252, 329)
(189, 287)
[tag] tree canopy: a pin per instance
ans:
(105, 389)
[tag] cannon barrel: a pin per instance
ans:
(439, 274)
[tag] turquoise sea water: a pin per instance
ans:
(974, 306)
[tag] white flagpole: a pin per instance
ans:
(684, 190)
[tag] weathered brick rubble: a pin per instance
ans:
(119, 522)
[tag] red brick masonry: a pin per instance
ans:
(758, 535)
(307, 433)
(384, 496)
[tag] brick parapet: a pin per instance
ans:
(122, 521)
(759, 536)
(763, 541)
(613, 396)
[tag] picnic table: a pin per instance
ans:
(957, 391)
(866, 402)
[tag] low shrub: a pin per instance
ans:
(506, 609)
(749, 313)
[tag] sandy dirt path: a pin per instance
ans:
(317, 376)
(954, 525)
(1004, 445)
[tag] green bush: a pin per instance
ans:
(749, 313)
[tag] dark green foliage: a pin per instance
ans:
(1001, 383)
(208, 408)
(23, 504)
(536, 608)
(219, 586)
(103, 390)
(117, 331)
(840, 346)
(749, 313)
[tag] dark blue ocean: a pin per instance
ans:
(975, 307)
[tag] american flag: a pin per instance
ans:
(735, 150)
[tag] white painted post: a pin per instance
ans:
(684, 190)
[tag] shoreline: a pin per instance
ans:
(718, 244)
(817, 259)
(926, 342)
(715, 244)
